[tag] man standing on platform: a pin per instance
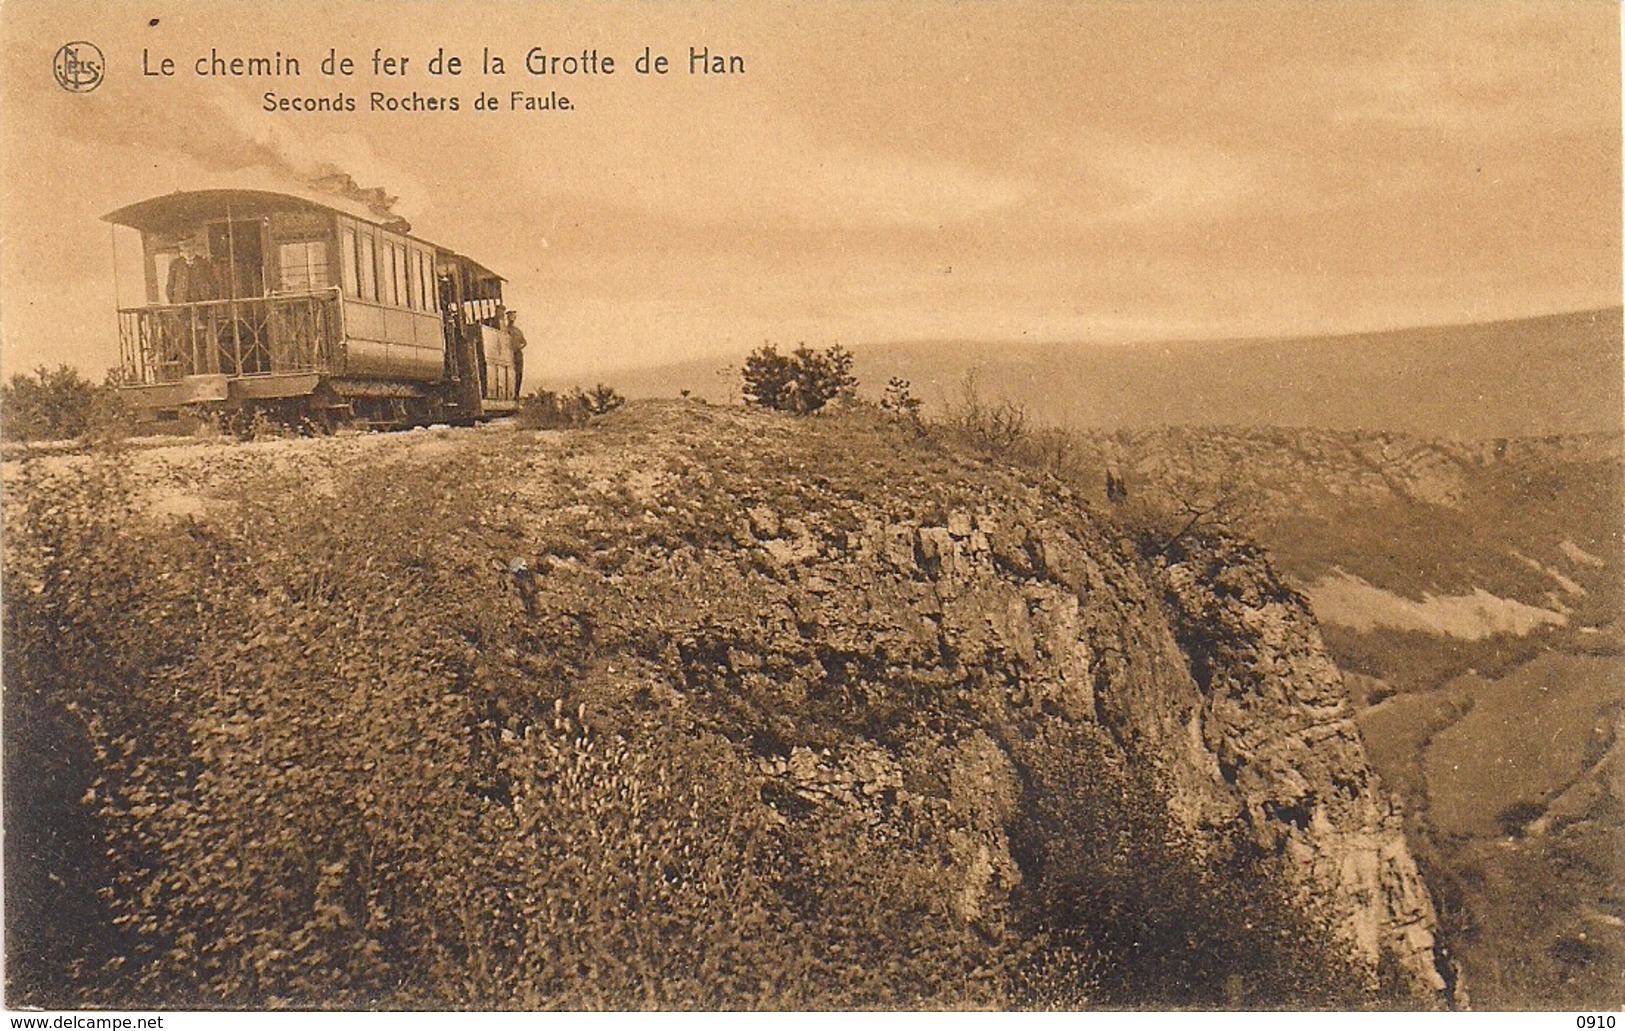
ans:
(191, 276)
(191, 280)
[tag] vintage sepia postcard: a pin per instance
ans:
(886, 506)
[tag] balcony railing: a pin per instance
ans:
(249, 336)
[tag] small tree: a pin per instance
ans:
(899, 400)
(603, 399)
(802, 382)
(1187, 513)
(1216, 495)
(999, 428)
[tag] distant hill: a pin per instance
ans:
(1525, 377)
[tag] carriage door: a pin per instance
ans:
(238, 259)
(461, 367)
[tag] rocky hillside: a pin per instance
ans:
(693, 707)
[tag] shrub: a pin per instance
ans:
(73, 555)
(1172, 921)
(1000, 428)
(899, 400)
(603, 399)
(899, 397)
(802, 382)
(551, 410)
(50, 404)
(1515, 819)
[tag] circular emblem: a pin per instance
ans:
(78, 66)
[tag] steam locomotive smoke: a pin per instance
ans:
(376, 198)
(334, 165)
(225, 135)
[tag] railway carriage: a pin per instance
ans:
(308, 309)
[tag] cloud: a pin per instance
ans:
(1503, 70)
(770, 173)
(878, 187)
(1168, 182)
(1114, 181)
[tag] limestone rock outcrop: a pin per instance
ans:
(1203, 660)
(1278, 720)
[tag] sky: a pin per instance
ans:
(1024, 172)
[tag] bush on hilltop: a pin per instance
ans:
(801, 382)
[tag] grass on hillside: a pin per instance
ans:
(1527, 736)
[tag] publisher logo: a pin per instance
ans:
(78, 66)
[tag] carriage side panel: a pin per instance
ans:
(388, 343)
(391, 321)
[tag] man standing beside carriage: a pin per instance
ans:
(516, 347)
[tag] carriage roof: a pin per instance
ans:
(183, 208)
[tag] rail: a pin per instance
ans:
(247, 336)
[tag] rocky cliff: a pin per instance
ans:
(1202, 661)
(951, 737)
(1276, 719)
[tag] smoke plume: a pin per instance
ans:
(225, 133)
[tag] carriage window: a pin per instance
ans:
(347, 261)
(425, 295)
(480, 309)
(397, 262)
(392, 274)
(302, 265)
(386, 269)
(369, 268)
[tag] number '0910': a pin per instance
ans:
(1592, 1020)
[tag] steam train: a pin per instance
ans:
(304, 310)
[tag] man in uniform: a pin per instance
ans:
(516, 344)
